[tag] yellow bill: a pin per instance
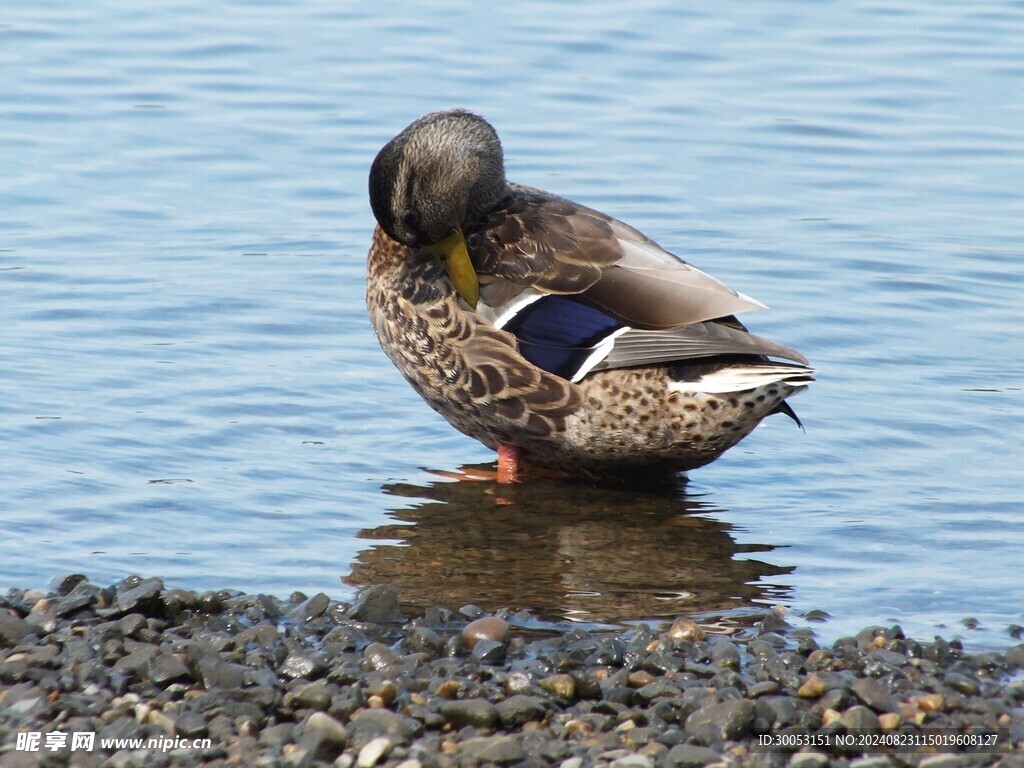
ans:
(452, 251)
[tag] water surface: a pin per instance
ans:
(189, 387)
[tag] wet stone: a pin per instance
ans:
(310, 609)
(319, 688)
(562, 686)
(633, 761)
(478, 713)
(308, 665)
(67, 606)
(727, 720)
(499, 750)
(691, 756)
(489, 651)
(783, 710)
(961, 683)
(808, 760)
(812, 688)
(424, 640)
(490, 628)
(871, 762)
(276, 736)
(190, 725)
(323, 737)
(313, 695)
(873, 694)
(726, 654)
(166, 668)
(369, 724)
(860, 718)
(764, 688)
(379, 657)
(373, 752)
(212, 672)
(140, 598)
(661, 688)
(519, 709)
(376, 604)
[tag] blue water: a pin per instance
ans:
(189, 386)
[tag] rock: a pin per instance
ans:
(947, 761)
(727, 720)
(764, 688)
(691, 756)
(424, 640)
(872, 693)
(812, 688)
(310, 609)
(308, 665)
(485, 628)
(190, 725)
(369, 724)
(323, 737)
(660, 688)
(726, 655)
(860, 718)
(808, 760)
(1015, 655)
(685, 630)
(212, 672)
(377, 604)
(633, 761)
(871, 762)
(372, 753)
(12, 629)
(276, 736)
(315, 695)
(489, 651)
(479, 713)
(562, 686)
(138, 599)
(500, 750)
(961, 683)
(166, 668)
(380, 658)
(519, 709)
(784, 710)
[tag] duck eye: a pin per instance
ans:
(411, 220)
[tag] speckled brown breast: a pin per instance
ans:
(473, 375)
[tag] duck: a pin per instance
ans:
(558, 336)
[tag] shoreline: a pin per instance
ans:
(223, 678)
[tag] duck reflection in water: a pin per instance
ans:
(564, 551)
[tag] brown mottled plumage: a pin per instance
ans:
(528, 320)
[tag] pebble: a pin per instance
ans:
(369, 724)
(309, 682)
(872, 693)
(727, 720)
(562, 686)
(371, 754)
(500, 750)
(808, 760)
(478, 713)
(519, 709)
(812, 688)
(485, 628)
(685, 629)
(691, 756)
(377, 604)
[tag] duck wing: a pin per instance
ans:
(537, 240)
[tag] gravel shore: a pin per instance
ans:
(224, 678)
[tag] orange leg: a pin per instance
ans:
(508, 463)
